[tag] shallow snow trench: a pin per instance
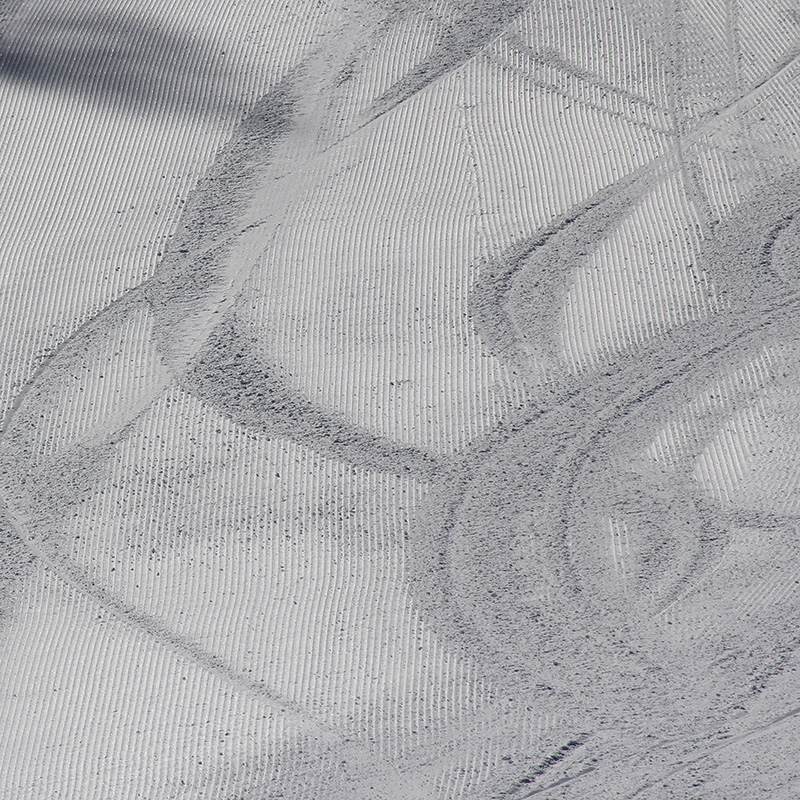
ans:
(399, 401)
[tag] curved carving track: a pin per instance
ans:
(562, 544)
(520, 567)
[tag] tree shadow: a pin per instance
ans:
(122, 61)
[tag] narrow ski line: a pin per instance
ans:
(554, 228)
(678, 768)
(683, 766)
(128, 296)
(561, 782)
(250, 238)
(71, 572)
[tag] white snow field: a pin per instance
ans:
(399, 400)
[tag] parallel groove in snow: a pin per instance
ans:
(693, 423)
(406, 44)
(619, 544)
(705, 81)
(306, 637)
(587, 34)
(754, 578)
(538, 156)
(366, 308)
(639, 281)
(767, 33)
(579, 88)
(95, 397)
(153, 710)
(753, 462)
(69, 252)
(771, 127)
(286, 563)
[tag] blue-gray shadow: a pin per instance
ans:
(123, 61)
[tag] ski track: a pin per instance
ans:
(674, 138)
